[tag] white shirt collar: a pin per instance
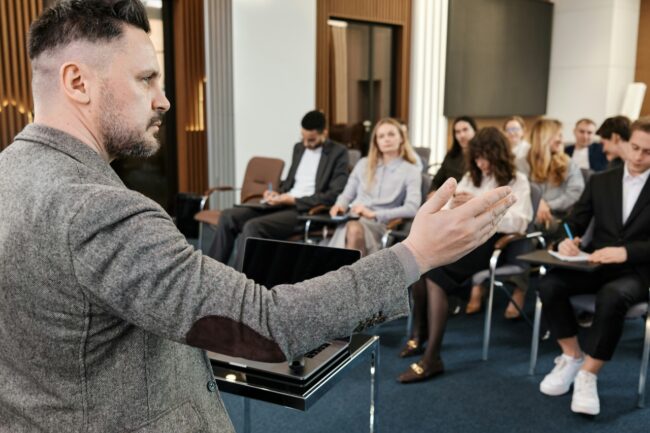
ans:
(640, 178)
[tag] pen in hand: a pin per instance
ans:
(568, 231)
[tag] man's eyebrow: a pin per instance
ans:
(153, 73)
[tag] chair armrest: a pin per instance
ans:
(250, 197)
(321, 208)
(219, 188)
(212, 190)
(394, 223)
(507, 239)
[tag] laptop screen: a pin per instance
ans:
(269, 262)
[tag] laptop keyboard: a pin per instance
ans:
(316, 351)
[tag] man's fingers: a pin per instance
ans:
(441, 197)
(482, 203)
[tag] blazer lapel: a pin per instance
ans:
(322, 165)
(617, 197)
(641, 202)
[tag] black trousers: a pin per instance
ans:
(617, 288)
(245, 223)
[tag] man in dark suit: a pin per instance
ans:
(585, 153)
(318, 173)
(618, 201)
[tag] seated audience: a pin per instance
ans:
(318, 172)
(614, 133)
(515, 129)
(453, 165)
(585, 153)
(618, 201)
(559, 178)
(491, 164)
(383, 186)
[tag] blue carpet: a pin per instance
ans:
(472, 395)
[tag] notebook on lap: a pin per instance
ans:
(270, 262)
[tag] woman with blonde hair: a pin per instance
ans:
(559, 178)
(382, 186)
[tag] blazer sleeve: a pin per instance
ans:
(130, 261)
(287, 184)
(337, 180)
(582, 212)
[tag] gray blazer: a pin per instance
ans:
(101, 298)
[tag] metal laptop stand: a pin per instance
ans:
(362, 348)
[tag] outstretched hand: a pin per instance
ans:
(439, 237)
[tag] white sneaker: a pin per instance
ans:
(585, 394)
(559, 380)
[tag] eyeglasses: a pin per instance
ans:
(513, 129)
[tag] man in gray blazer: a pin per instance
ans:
(102, 298)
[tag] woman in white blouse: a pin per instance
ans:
(491, 164)
(383, 186)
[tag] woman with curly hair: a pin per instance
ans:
(559, 178)
(383, 186)
(491, 165)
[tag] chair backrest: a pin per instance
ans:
(426, 184)
(260, 172)
(424, 153)
(354, 156)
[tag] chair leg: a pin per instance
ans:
(409, 319)
(307, 226)
(200, 243)
(488, 313)
(644, 362)
(535, 343)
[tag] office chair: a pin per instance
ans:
(260, 172)
(510, 245)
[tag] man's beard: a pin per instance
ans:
(120, 141)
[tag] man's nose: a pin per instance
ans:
(161, 103)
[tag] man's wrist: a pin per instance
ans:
(417, 256)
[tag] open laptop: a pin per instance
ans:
(270, 263)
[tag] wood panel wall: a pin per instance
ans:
(642, 72)
(394, 12)
(16, 103)
(189, 68)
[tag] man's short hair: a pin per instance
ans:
(641, 124)
(68, 21)
(615, 125)
(585, 120)
(314, 120)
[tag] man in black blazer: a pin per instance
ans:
(585, 152)
(318, 173)
(618, 201)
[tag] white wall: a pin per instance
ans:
(593, 56)
(274, 74)
(428, 125)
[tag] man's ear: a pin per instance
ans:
(616, 138)
(75, 83)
